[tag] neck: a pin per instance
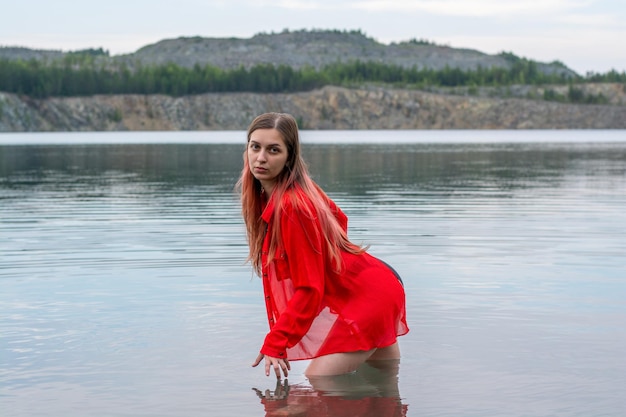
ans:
(267, 187)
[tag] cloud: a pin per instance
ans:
(472, 8)
(299, 4)
(590, 20)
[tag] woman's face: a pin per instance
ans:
(267, 156)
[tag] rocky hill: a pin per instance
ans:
(298, 49)
(26, 54)
(327, 108)
(317, 49)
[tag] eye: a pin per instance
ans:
(275, 150)
(254, 146)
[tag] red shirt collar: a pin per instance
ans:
(268, 211)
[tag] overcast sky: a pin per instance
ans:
(586, 35)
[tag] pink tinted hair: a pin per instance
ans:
(294, 175)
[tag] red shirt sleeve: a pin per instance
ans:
(303, 245)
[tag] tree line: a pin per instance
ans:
(85, 75)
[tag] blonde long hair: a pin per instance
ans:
(295, 176)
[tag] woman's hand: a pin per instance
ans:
(270, 362)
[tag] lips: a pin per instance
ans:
(260, 170)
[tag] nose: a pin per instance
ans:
(261, 155)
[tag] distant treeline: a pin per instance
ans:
(84, 75)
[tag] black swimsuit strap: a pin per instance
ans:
(393, 270)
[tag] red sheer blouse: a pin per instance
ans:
(313, 310)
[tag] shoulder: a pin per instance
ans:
(296, 199)
(299, 207)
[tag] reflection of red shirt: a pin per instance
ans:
(329, 406)
(303, 402)
(311, 309)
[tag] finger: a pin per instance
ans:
(268, 364)
(276, 364)
(288, 364)
(285, 368)
(257, 360)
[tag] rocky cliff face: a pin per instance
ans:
(327, 108)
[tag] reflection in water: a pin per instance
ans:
(370, 391)
(169, 165)
(356, 169)
(123, 289)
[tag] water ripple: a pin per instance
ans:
(123, 288)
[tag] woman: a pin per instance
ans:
(327, 299)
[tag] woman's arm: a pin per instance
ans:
(303, 244)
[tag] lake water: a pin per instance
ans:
(123, 289)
